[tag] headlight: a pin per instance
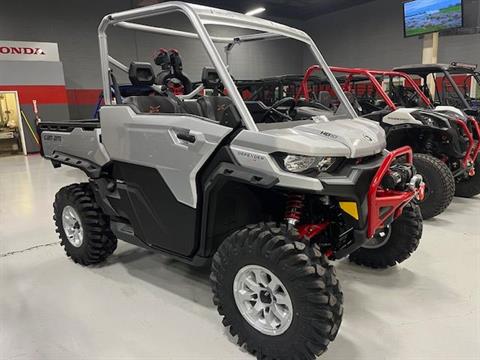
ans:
(431, 121)
(300, 163)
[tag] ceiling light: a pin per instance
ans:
(255, 11)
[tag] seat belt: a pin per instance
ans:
(116, 88)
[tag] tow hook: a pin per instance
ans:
(471, 170)
(421, 192)
(416, 184)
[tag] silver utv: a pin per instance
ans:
(196, 177)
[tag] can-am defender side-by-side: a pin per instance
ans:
(456, 85)
(445, 149)
(266, 204)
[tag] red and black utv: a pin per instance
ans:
(445, 142)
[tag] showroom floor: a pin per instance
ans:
(141, 305)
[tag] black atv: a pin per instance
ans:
(454, 87)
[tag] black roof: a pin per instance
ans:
(419, 69)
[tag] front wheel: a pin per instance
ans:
(470, 186)
(83, 228)
(280, 296)
(439, 184)
(394, 244)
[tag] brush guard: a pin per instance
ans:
(473, 146)
(388, 204)
(384, 205)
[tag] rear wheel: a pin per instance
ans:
(439, 184)
(470, 186)
(83, 228)
(279, 296)
(393, 244)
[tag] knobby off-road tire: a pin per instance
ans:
(400, 241)
(89, 239)
(439, 184)
(469, 187)
(307, 279)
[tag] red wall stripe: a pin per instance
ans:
(83, 96)
(44, 94)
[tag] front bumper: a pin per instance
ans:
(473, 137)
(372, 206)
(384, 206)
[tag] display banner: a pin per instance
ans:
(28, 51)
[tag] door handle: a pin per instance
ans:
(186, 136)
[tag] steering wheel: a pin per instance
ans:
(272, 110)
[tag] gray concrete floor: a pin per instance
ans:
(141, 305)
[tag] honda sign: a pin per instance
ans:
(28, 51)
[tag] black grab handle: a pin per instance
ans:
(186, 137)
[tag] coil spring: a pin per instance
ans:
(294, 206)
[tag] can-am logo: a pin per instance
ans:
(15, 50)
(368, 138)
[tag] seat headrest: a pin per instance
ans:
(210, 78)
(169, 59)
(141, 73)
(325, 98)
(163, 59)
(176, 61)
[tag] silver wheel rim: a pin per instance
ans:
(380, 239)
(263, 300)
(72, 226)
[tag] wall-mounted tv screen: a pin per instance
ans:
(427, 16)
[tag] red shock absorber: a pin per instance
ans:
(293, 211)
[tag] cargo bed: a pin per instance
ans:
(68, 126)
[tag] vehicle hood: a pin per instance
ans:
(351, 138)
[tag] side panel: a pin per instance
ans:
(157, 218)
(401, 116)
(154, 141)
(84, 144)
(450, 109)
(156, 159)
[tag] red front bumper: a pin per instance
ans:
(383, 204)
(473, 146)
